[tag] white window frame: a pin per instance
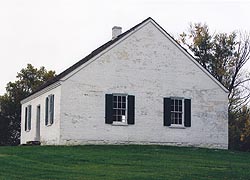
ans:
(125, 120)
(182, 112)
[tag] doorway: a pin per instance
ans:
(38, 117)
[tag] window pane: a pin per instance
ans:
(180, 115)
(123, 105)
(176, 107)
(176, 118)
(119, 108)
(123, 118)
(180, 121)
(180, 105)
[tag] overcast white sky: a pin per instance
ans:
(58, 33)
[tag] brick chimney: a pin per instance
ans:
(116, 31)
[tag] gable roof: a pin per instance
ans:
(108, 44)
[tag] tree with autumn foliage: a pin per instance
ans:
(224, 56)
(28, 80)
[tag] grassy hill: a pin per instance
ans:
(121, 162)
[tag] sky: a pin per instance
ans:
(58, 33)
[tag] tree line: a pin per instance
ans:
(27, 81)
(224, 55)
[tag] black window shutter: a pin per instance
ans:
(26, 118)
(108, 108)
(47, 111)
(29, 119)
(187, 112)
(167, 112)
(131, 109)
(51, 109)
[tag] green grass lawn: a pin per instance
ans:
(121, 162)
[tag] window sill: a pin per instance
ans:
(119, 124)
(177, 127)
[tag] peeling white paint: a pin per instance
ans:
(148, 65)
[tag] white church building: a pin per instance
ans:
(141, 87)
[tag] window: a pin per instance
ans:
(28, 118)
(38, 112)
(119, 108)
(49, 110)
(177, 112)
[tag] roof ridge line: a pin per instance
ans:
(86, 58)
(105, 46)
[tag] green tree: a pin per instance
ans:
(28, 80)
(239, 128)
(224, 56)
(245, 134)
(199, 41)
(4, 130)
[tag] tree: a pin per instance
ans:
(245, 134)
(239, 128)
(224, 56)
(4, 130)
(199, 41)
(28, 80)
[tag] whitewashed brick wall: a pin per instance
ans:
(48, 134)
(148, 65)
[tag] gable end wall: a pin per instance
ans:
(148, 65)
